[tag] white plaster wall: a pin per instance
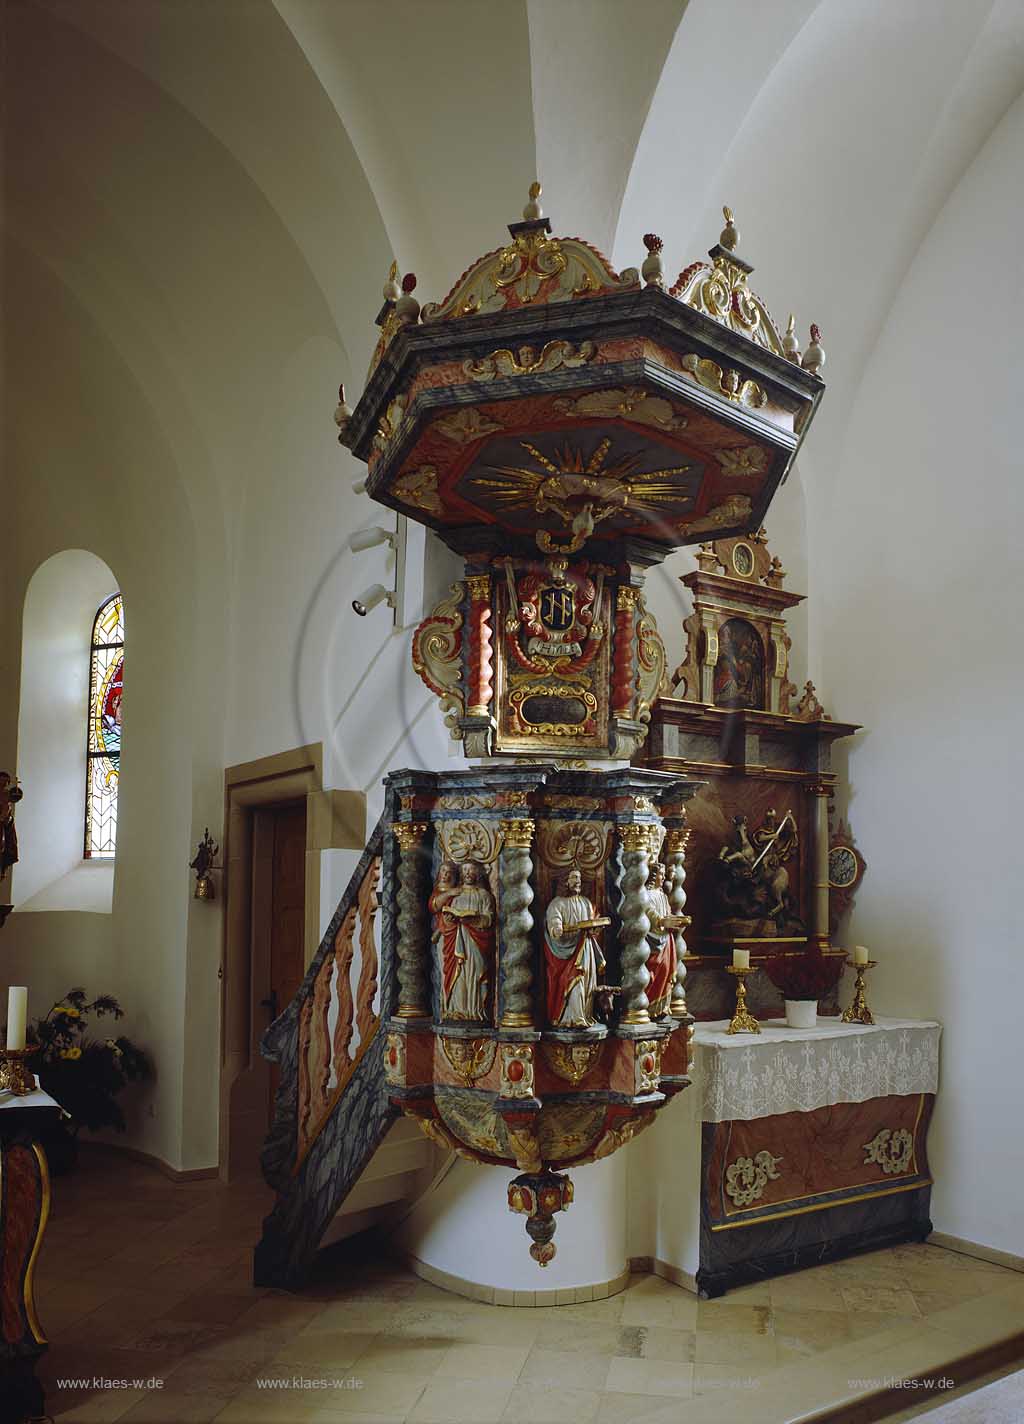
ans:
(915, 550)
(466, 1229)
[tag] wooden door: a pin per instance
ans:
(286, 834)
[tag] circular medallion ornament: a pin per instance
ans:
(743, 560)
(843, 869)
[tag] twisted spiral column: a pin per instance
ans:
(480, 645)
(515, 869)
(676, 840)
(636, 924)
(412, 921)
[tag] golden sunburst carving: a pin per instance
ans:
(567, 485)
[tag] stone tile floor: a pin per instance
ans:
(142, 1279)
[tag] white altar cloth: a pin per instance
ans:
(781, 1070)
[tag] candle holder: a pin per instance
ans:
(743, 1020)
(858, 1012)
(15, 1075)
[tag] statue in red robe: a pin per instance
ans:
(572, 956)
(661, 963)
(464, 935)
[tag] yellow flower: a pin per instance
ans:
(71, 1052)
(70, 1011)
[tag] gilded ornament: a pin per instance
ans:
(580, 843)
(647, 1064)
(617, 1137)
(469, 1058)
(470, 840)
(553, 356)
(516, 1070)
(635, 404)
(639, 836)
(466, 425)
(436, 656)
(747, 1177)
(892, 1151)
(734, 509)
(525, 1149)
(418, 488)
(409, 834)
(744, 460)
(572, 1061)
(479, 586)
(626, 597)
(518, 834)
(728, 383)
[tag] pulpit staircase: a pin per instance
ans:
(337, 1155)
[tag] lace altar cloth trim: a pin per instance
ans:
(784, 1070)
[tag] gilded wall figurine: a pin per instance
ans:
(463, 910)
(573, 959)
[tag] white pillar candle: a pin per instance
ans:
(17, 1012)
(741, 959)
(860, 954)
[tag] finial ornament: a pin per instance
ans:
(392, 291)
(533, 210)
(652, 270)
(814, 356)
(342, 413)
(407, 308)
(790, 345)
(729, 236)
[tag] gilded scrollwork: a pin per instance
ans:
(747, 1177)
(651, 679)
(734, 509)
(418, 488)
(466, 425)
(892, 1151)
(437, 656)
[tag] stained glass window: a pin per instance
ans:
(103, 747)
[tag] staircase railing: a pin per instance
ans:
(331, 1111)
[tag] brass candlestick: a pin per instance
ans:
(15, 1075)
(743, 1020)
(858, 1012)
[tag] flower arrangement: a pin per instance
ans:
(85, 1074)
(804, 976)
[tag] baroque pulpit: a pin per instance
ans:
(563, 427)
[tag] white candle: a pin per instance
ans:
(741, 959)
(17, 1012)
(860, 954)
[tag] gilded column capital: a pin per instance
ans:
(479, 586)
(409, 834)
(819, 787)
(518, 833)
(626, 596)
(677, 838)
(639, 836)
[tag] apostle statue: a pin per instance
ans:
(572, 956)
(662, 961)
(464, 935)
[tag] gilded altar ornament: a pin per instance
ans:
(647, 1065)
(527, 360)
(752, 896)
(516, 1069)
(743, 1020)
(858, 1012)
(205, 861)
(747, 1177)
(573, 957)
(892, 1151)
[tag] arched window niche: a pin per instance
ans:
(60, 867)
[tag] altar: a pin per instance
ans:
(793, 1147)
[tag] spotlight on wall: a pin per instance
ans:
(370, 597)
(358, 486)
(370, 538)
